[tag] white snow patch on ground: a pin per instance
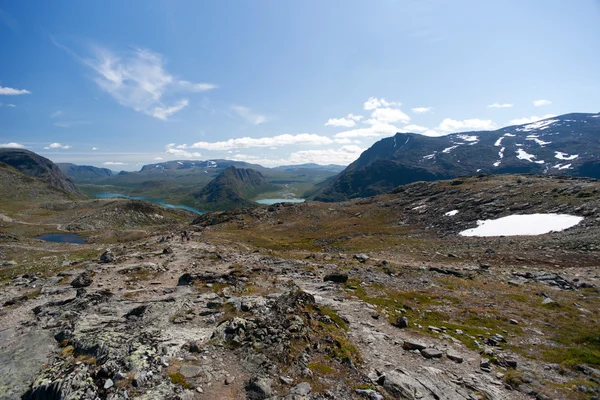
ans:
(419, 207)
(429, 156)
(509, 135)
(468, 138)
(595, 116)
(528, 224)
(560, 166)
(451, 213)
(523, 155)
(540, 125)
(540, 162)
(499, 141)
(179, 162)
(564, 156)
(449, 149)
(538, 141)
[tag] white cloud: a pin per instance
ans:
(12, 145)
(68, 124)
(374, 103)
(56, 114)
(542, 102)
(415, 128)
(387, 115)
(348, 123)
(139, 80)
(421, 110)
(94, 148)
(7, 105)
(6, 91)
(375, 130)
(249, 116)
(342, 156)
(165, 112)
(452, 125)
(355, 117)
(501, 105)
(57, 146)
(115, 163)
(308, 139)
(178, 151)
(158, 158)
(197, 87)
(529, 120)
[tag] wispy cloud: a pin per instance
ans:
(249, 115)
(94, 148)
(57, 146)
(347, 122)
(421, 110)
(138, 79)
(55, 114)
(529, 120)
(7, 91)
(452, 125)
(542, 102)
(388, 115)
(307, 139)
(68, 124)
(7, 105)
(114, 163)
(501, 105)
(342, 156)
(179, 151)
(13, 145)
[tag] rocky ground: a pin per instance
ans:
(374, 299)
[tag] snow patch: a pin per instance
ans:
(510, 135)
(523, 155)
(451, 213)
(538, 141)
(564, 156)
(528, 224)
(179, 162)
(429, 156)
(419, 207)
(499, 141)
(468, 138)
(449, 149)
(561, 167)
(540, 125)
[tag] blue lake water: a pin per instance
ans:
(150, 199)
(61, 238)
(273, 201)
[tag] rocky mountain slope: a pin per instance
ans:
(39, 167)
(374, 298)
(18, 188)
(565, 145)
(83, 173)
(232, 188)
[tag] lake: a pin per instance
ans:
(150, 199)
(273, 201)
(61, 238)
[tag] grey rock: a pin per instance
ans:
(108, 384)
(370, 394)
(301, 389)
(547, 301)
(361, 257)
(413, 345)
(82, 280)
(259, 388)
(190, 371)
(454, 356)
(402, 322)
(485, 364)
(431, 353)
(107, 256)
(337, 277)
(286, 380)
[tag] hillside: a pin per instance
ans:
(39, 167)
(233, 188)
(564, 145)
(83, 173)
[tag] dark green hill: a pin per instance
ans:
(83, 173)
(232, 188)
(39, 167)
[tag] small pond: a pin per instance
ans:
(61, 238)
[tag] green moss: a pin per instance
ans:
(178, 379)
(321, 368)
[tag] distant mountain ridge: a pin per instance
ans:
(36, 166)
(233, 188)
(568, 144)
(82, 173)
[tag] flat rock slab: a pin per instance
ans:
(413, 345)
(431, 353)
(190, 371)
(454, 356)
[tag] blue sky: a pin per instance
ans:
(120, 84)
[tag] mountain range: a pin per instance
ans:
(568, 144)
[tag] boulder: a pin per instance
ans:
(337, 277)
(82, 280)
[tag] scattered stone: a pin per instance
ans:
(548, 300)
(513, 321)
(363, 258)
(413, 345)
(259, 388)
(370, 394)
(286, 380)
(302, 389)
(454, 356)
(108, 384)
(402, 322)
(485, 365)
(431, 353)
(199, 390)
(337, 277)
(82, 280)
(107, 256)
(229, 380)
(167, 250)
(190, 371)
